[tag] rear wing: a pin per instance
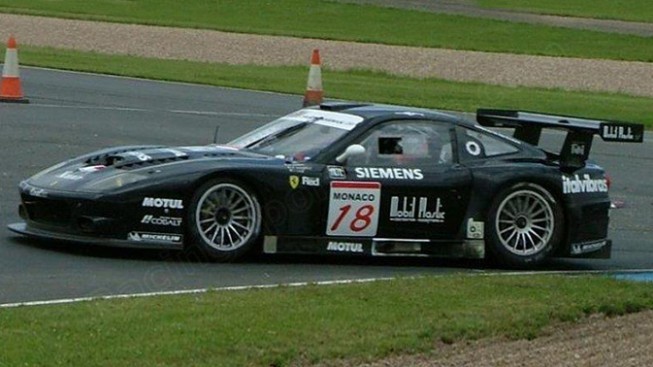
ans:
(580, 131)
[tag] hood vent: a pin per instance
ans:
(129, 165)
(221, 154)
(107, 157)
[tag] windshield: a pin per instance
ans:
(298, 136)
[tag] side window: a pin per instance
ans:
(477, 144)
(406, 142)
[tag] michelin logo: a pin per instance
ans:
(154, 237)
(584, 185)
(581, 248)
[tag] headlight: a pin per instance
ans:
(114, 182)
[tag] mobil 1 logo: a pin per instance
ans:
(353, 208)
(413, 209)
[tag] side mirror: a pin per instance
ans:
(351, 151)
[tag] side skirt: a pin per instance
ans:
(473, 249)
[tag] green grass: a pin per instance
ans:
(330, 20)
(632, 10)
(354, 85)
(275, 327)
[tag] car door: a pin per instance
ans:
(407, 184)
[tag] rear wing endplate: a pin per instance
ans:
(580, 131)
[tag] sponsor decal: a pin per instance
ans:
(475, 230)
(293, 181)
(39, 193)
(583, 247)
(473, 148)
(297, 168)
(333, 119)
(578, 149)
(161, 221)
(576, 185)
(163, 203)
(72, 175)
(409, 113)
(139, 155)
(154, 237)
(81, 172)
(618, 132)
(207, 148)
(389, 173)
(310, 181)
(336, 172)
(353, 208)
(90, 169)
(414, 209)
(345, 246)
(177, 153)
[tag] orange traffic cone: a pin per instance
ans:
(10, 90)
(314, 93)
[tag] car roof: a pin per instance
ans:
(370, 111)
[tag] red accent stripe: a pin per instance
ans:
(355, 185)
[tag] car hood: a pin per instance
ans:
(118, 167)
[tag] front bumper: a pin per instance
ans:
(117, 221)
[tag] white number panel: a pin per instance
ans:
(353, 208)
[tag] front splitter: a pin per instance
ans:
(26, 230)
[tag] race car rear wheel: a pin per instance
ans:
(225, 220)
(525, 225)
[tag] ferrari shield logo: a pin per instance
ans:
(294, 181)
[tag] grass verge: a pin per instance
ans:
(350, 22)
(277, 327)
(631, 10)
(354, 85)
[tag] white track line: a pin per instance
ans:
(188, 291)
(319, 283)
(129, 109)
(156, 80)
(132, 109)
(213, 113)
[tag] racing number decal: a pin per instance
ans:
(353, 208)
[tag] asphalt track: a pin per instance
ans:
(72, 113)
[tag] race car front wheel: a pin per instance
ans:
(224, 220)
(525, 224)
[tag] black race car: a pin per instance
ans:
(344, 178)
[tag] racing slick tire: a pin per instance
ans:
(224, 220)
(525, 226)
